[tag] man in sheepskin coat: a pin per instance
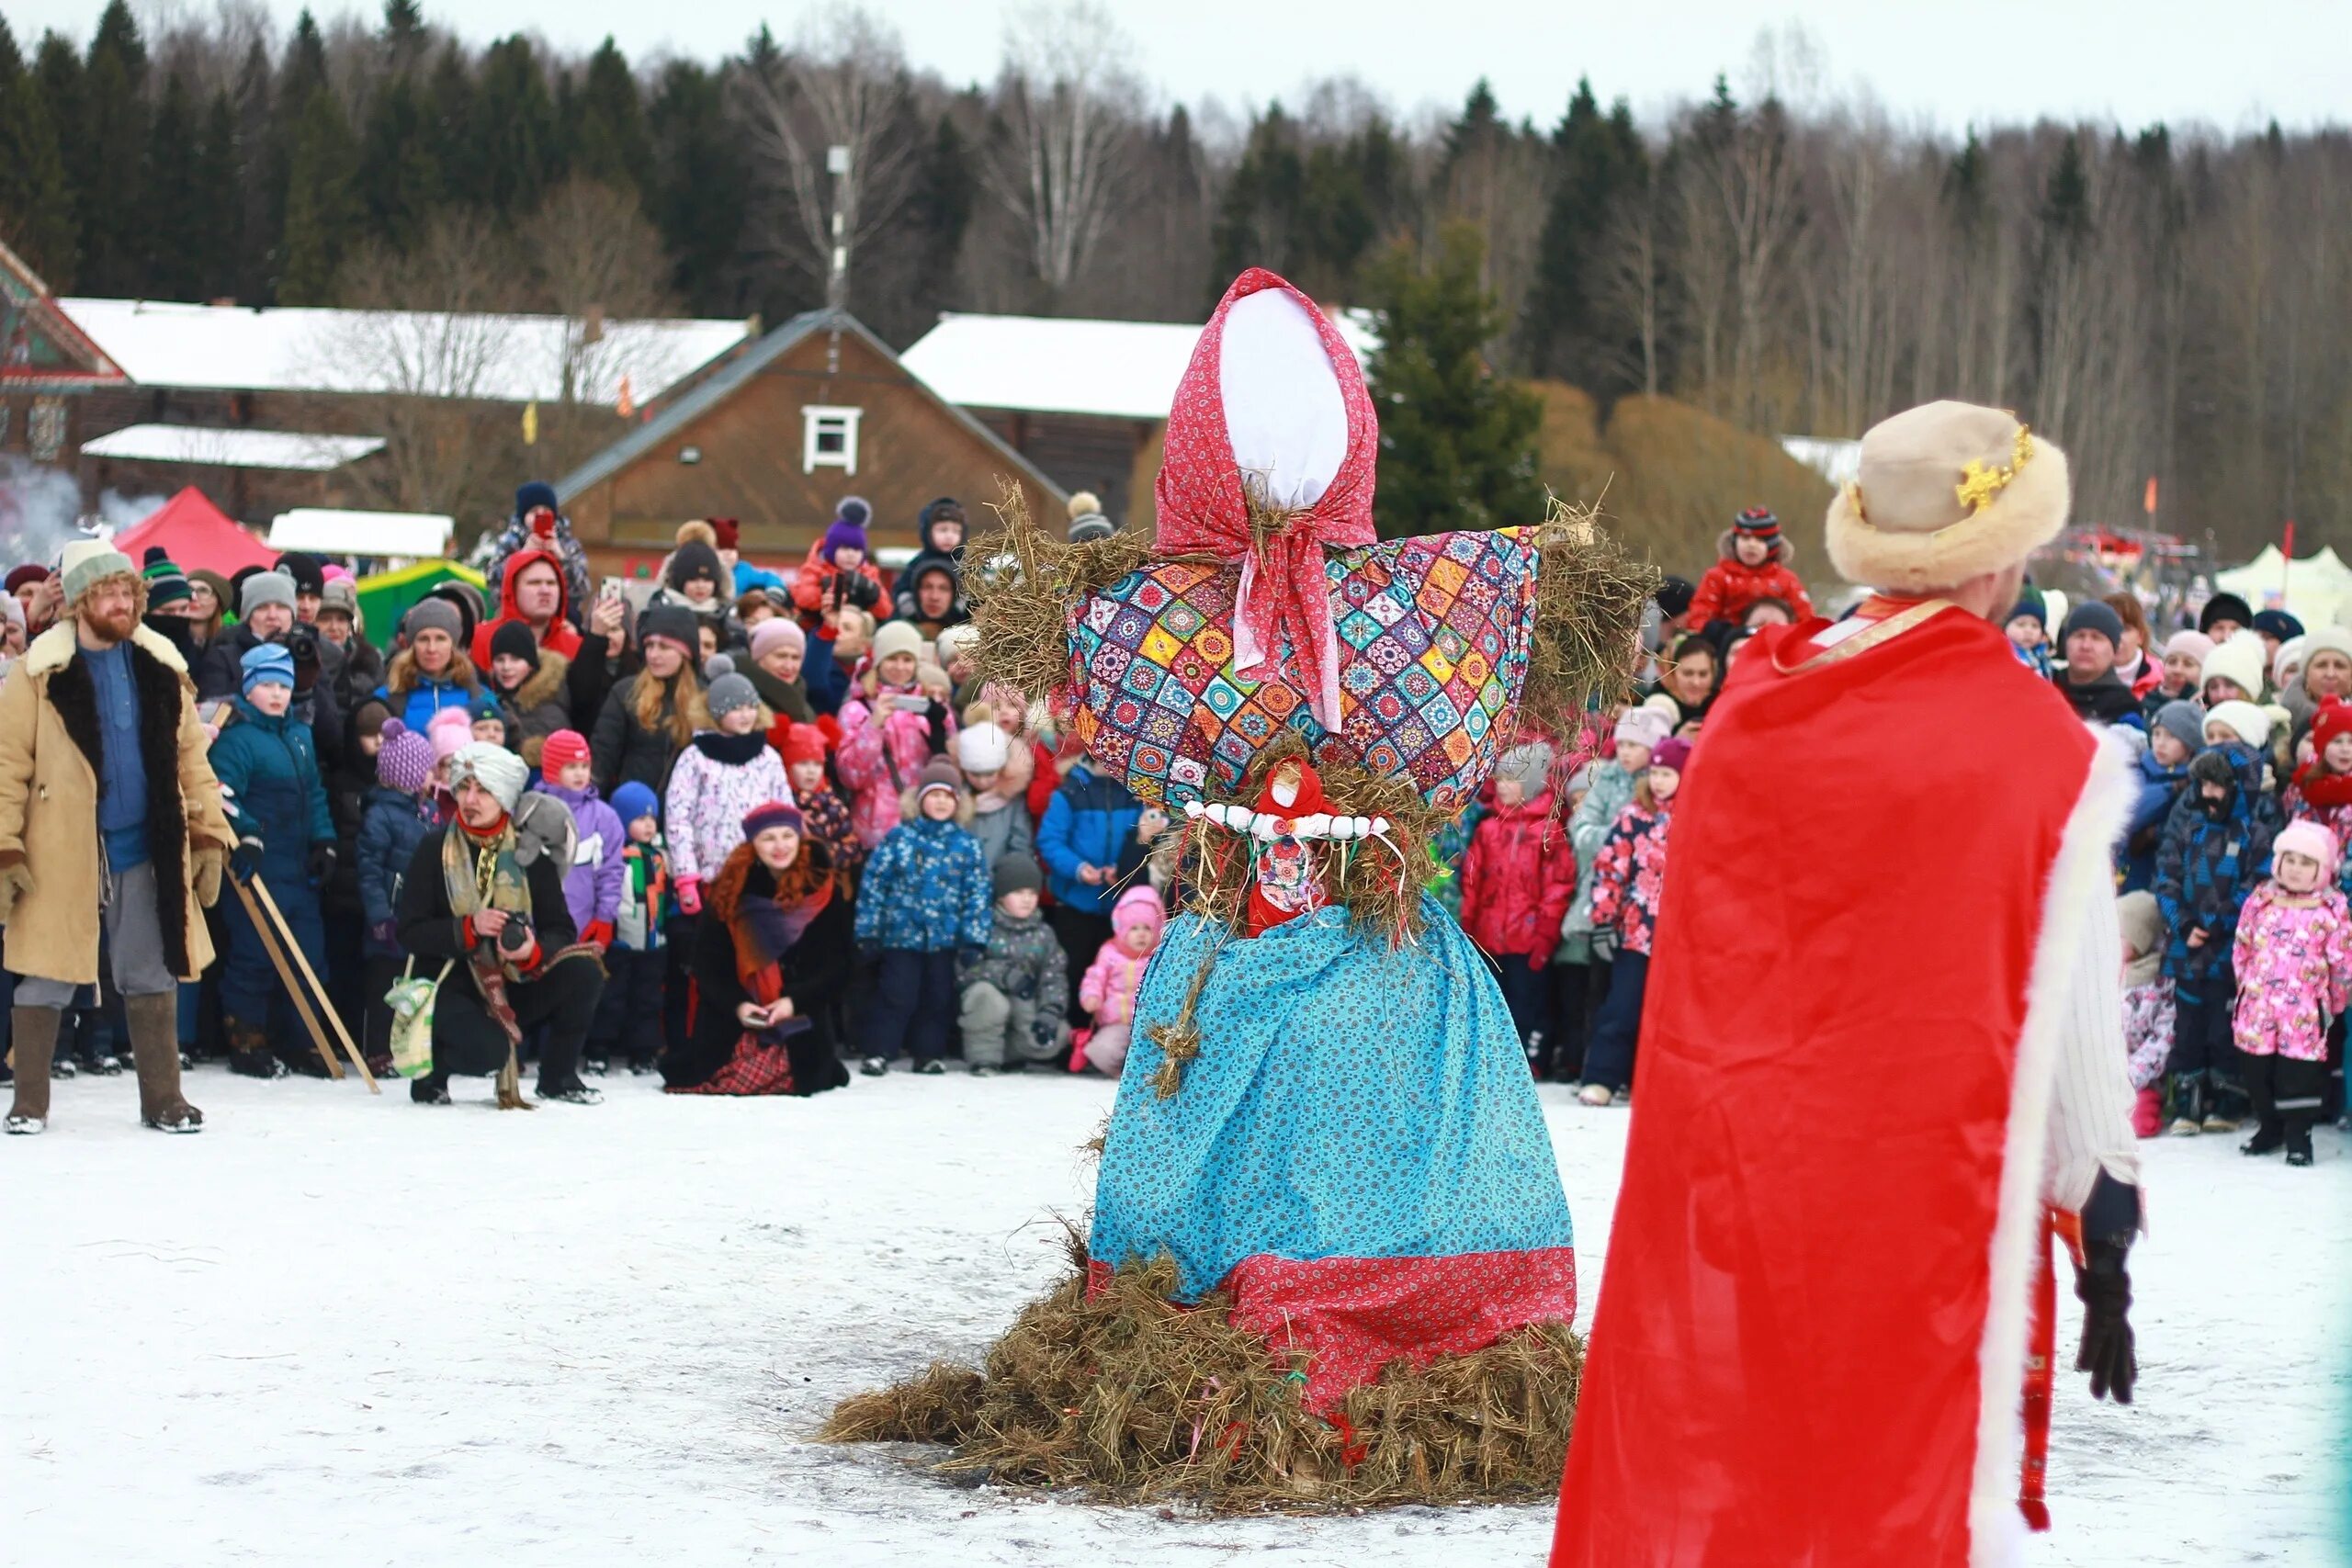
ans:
(109, 815)
(1824, 1359)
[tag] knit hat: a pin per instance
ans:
(1945, 493)
(166, 583)
(265, 588)
(781, 632)
(848, 527)
(1674, 596)
(464, 598)
(691, 560)
(728, 690)
(2330, 719)
(1015, 874)
(1086, 519)
(304, 569)
(2224, 607)
(431, 616)
(267, 664)
(515, 638)
(725, 533)
(674, 624)
(634, 800)
(405, 759)
(1643, 727)
(957, 641)
(452, 730)
(1140, 905)
(561, 749)
(2326, 640)
(804, 743)
(485, 704)
(1671, 752)
(1528, 766)
(31, 571)
(2289, 660)
(2250, 723)
(222, 596)
(335, 571)
(983, 749)
(529, 497)
(2278, 624)
(938, 773)
(2185, 722)
(2091, 616)
(88, 562)
(370, 717)
(2242, 660)
(340, 594)
(2030, 605)
(2192, 645)
(773, 814)
(2305, 837)
(2144, 933)
(1758, 523)
(494, 768)
(896, 637)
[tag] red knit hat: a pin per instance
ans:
(772, 813)
(2333, 718)
(1758, 523)
(803, 743)
(563, 748)
(726, 530)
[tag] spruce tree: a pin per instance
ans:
(1597, 163)
(171, 232)
(219, 203)
(944, 195)
(259, 204)
(1261, 203)
(36, 202)
(399, 180)
(323, 212)
(112, 148)
(1457, 442)
(515, 134)
(610, 145)
(700, 186)
(451, 110)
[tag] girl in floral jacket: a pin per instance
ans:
(1627, 877)
(721, 776)
(2322, 790)
(2292, 954)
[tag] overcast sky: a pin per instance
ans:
(1946, 63)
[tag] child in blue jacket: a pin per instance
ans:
(925, 897)
(268, 770)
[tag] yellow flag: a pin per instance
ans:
(531, 423)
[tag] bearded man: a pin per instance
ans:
(109, 819)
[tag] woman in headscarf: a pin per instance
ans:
(776, 950)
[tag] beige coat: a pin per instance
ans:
(49, 809)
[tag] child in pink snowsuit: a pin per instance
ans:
(890, 729)
(1109, 989)
(2293, 951)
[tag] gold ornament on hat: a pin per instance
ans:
(1979, 484)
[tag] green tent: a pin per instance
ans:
(385, 597)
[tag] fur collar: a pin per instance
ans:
(544, 684)
(1784, 553)
(55, 649)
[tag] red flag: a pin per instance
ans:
(2149, 504)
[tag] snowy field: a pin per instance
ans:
(342, 1330)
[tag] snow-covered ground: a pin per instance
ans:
(338, 1330)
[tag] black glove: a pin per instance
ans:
(2105, 1290)
(245, 861)
(515, 936)
(321, 864)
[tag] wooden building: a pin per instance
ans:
(817, 409)
(49, 368)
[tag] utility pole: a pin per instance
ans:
(837, 165)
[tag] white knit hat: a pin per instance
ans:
(1643, 727)
(2242, 660)
(982, 749)
(895, 637)
(2251, 723)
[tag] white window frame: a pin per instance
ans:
(818, 419)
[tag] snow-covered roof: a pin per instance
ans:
(232, 448)
(501, 358)
(1052, 364)
(327, 531)
(1836, 461)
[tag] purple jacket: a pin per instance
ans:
(591, 888)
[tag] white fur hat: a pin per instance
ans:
(2251, 725)
(2242, 660)
(982, 749)
(1947, 492)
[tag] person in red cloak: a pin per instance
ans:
(1844, 1165)
(1287, 885)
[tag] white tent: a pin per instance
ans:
(2316, 590)
(389, 536)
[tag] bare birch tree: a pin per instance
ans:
(1069, 138)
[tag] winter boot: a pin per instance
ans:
(33, 1033)
(2187, 1104)
(2268, 1138)
(249, 1051)
(153, 1022)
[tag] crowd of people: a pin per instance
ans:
(752, 832)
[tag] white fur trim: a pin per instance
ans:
(2083, 871)
(2022, 518)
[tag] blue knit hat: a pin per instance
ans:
(536, 493)
(266, 662)
(634, 800)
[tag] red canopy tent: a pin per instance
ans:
(196, 534)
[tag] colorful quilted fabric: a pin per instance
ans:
(1433, 637)
(1357, 1153)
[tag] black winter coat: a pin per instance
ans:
(622, 751)
(432, 933)
(815, 973)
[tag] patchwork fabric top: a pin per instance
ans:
(1433, 644)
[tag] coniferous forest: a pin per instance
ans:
(2168, 302)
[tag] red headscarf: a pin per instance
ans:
(1203, 506)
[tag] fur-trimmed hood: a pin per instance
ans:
(1784, 551)
(543, 685)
